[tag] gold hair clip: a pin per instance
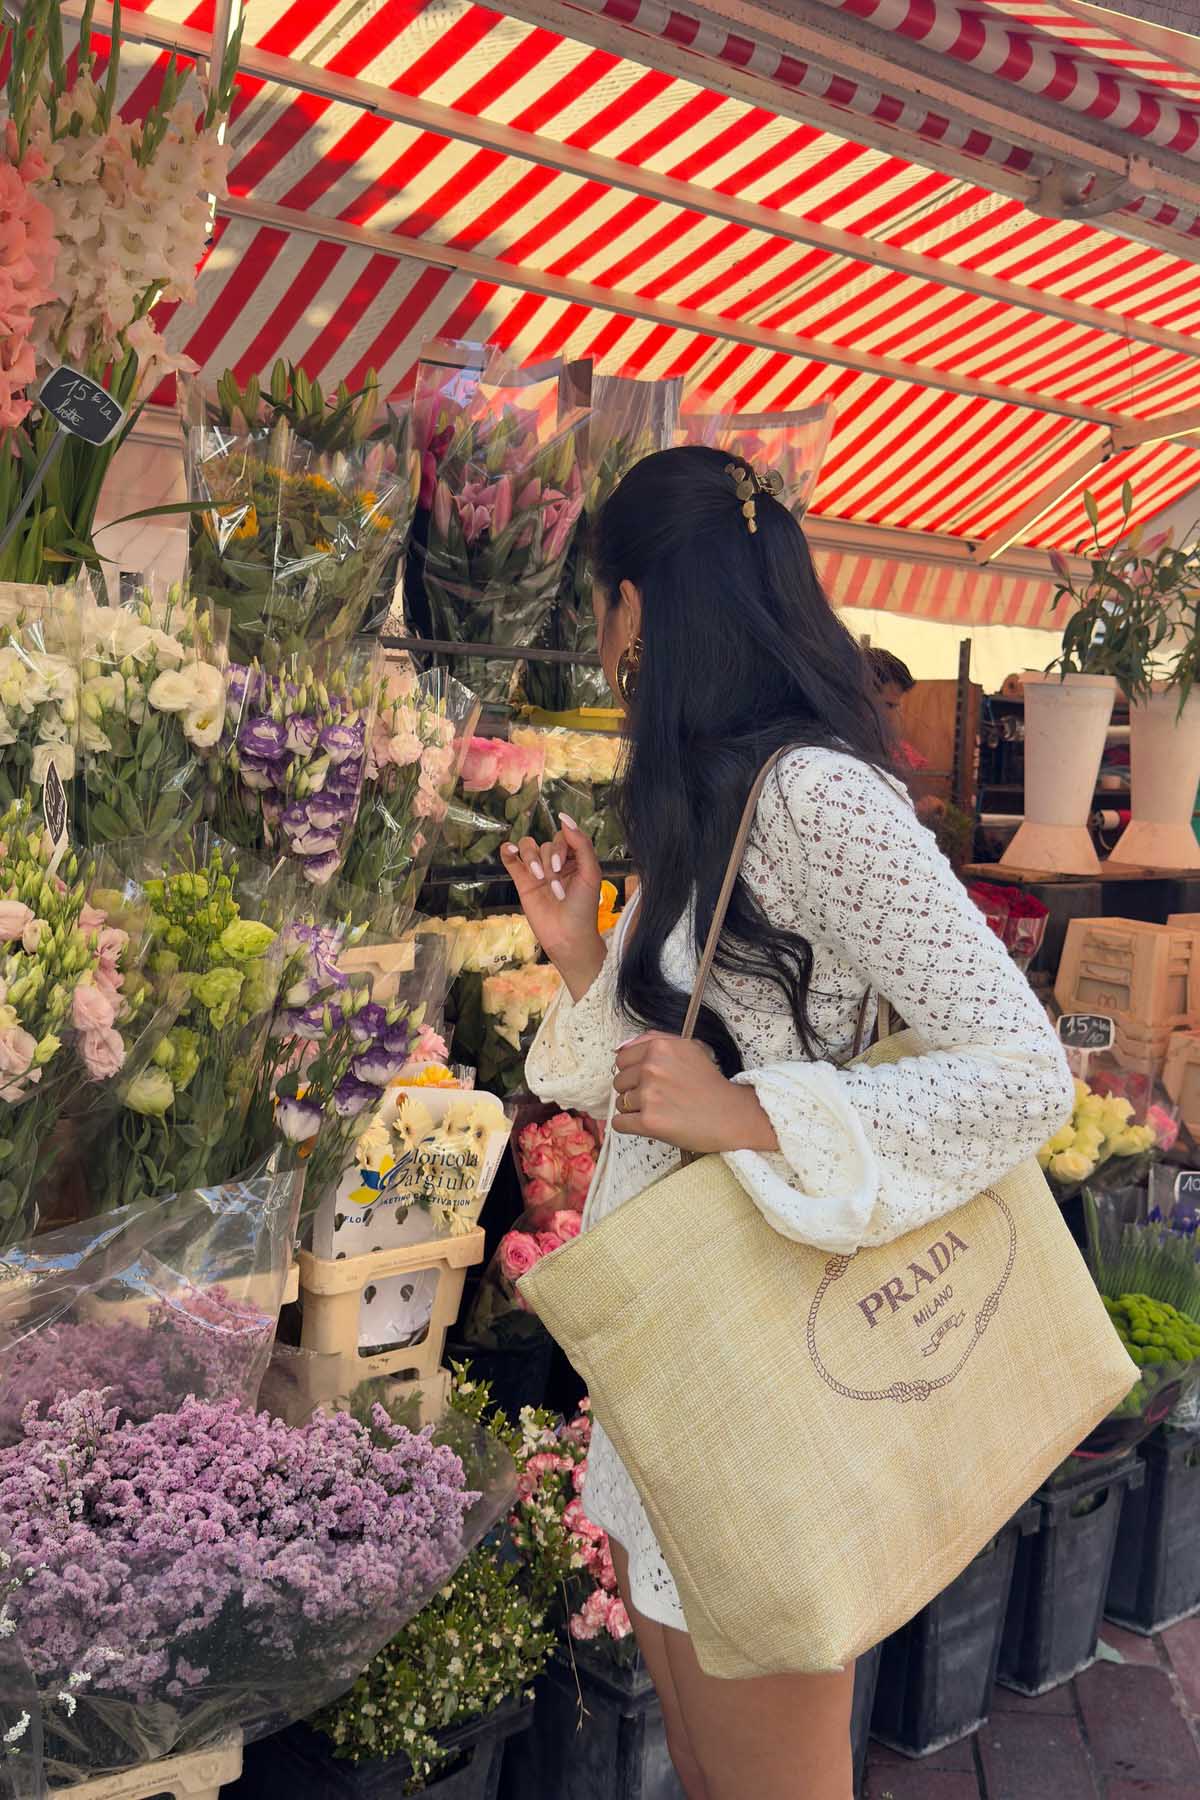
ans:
(748, 484)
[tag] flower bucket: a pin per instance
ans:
(1066, 722)
(1164, 749)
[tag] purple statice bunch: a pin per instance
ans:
(293, 759)
(212, 1553)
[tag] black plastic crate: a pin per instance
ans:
(937, 1672)
(299, 1764)
(1155, 1578)
(1060, 1580)
(517, 1374)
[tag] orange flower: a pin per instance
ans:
(609, 910)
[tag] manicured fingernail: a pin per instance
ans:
(509, 850)
(538, 870)
(568, 821)
(556, 864)
(558, 890)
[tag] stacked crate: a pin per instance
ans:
(1146, 978)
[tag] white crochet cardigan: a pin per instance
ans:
(865, 1155)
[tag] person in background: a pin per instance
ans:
(893, 679)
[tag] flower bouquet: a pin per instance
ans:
(74, 1007)
(288, 773)
(307, 507)
(106, 216)
(790, 445)
(478, 947)
(420, 736)
(496, 1018)
(499, 1317)
(556, 1155)
(629, 420)
(39, 693)
(581, 769)
(180, 1122)
(504, 507)
(1100, 1146)
(152, 707)
(1018, 919)
(499, 788)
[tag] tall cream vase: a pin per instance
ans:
(1066, 721)
(1164, 748)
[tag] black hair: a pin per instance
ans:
(742, 655)
(889, 671)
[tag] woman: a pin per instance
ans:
(716, 635)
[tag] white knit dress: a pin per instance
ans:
(865, 1155)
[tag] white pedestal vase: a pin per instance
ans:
(1164, 753)
(1065, 726)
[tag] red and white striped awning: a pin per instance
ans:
(742, 203)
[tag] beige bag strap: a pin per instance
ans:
(721, 910)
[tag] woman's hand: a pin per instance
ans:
(558, 885)
(673, 1091)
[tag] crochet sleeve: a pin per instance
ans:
(571, 1060)
(866, 1155)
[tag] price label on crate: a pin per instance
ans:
(80, 405)
(1187, 1188)
(1086, 1031)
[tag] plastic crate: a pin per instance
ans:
(333, 1291)
(1060, 1580)
(1131, 970)
(299, 1764)
(200, 1776)
(1155, 1578)
(936, 1674)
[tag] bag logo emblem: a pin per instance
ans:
(922, 1291)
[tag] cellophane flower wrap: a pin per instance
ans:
(629, 419)
(215, 956)
(201, 1568)
(499, 1316)
(309, 504)
(479, 951)
(151, 711)
(77, 1015)
(512, 1006)
(358, 1012)
(496, 801)
(1103, 1145)
(581, 770)
(420, 737)
(791, 446)
(288, 773)
(39, 690)
(124, 203)
(556, 1154)
(504, 508)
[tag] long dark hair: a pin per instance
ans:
(742, 655)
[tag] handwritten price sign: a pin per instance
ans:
(1085, 1031)
(80, 405)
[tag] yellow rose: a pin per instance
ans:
(1063, 1139)
(1132, 1141)
(1091, 1108)
(1089, 1141)
(1071, 1165)
(1116, 1115)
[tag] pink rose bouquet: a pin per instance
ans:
(556, 1160)
(495, 802)
(499, 1316)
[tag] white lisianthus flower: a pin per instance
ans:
(103, 694)
(202, 726)
(8, 733)
(63, 757)
(91, 738)
(176, 690)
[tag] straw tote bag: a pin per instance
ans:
(823, 1442)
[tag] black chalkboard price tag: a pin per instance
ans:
(1086, 1031)
(80, 405)
(1187, 1187)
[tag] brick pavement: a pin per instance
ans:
(1127, 1730)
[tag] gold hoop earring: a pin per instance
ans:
(629, 665)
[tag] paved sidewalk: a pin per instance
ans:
(1120, 1731)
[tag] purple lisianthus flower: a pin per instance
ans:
(342, 741)
(302, 734)
(352, 1096)
(256, 775)
(315, 843)
(399, 1039)
(262, 737)
(326, 810)
(318, 870)
(369, 1023)
(271, 811)
(298, 1120)
(377, 1066)
(295, 819)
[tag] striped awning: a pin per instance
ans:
(997, 320)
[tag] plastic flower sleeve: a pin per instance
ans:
(22, 1766)
(504, 508)
(629, 419)
(152, 708)
(497, 1018)
(39, 695)
(288, 773)
(238, 1571)
(792, 445)
(496, 802)
(420, 737)
(581, 770)
(499, 1317)
(307, 522)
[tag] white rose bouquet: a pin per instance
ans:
(483, 946)
(1099, 1144)
(580, 772)
(152, 708)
